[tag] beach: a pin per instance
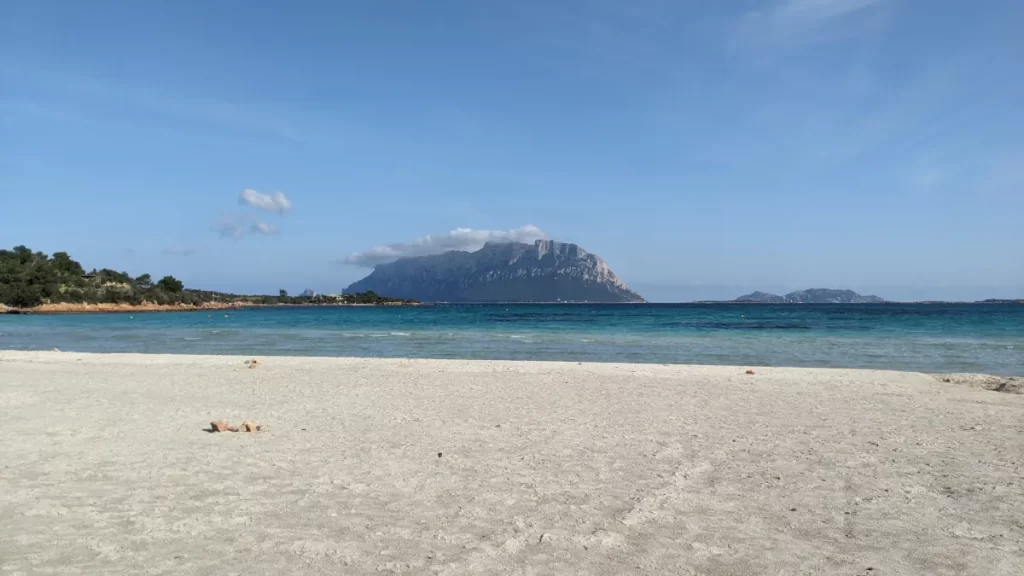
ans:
(392, 466)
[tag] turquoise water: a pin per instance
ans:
(933, 338)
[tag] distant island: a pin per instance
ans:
(811, 296)
(35, 282)
(545, 271)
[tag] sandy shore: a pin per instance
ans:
(469, 467)
(106, 307)
(109, 308)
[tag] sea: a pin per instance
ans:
(987, 338)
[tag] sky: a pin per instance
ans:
(703, 149)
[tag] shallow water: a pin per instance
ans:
(932, 338)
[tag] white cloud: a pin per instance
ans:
(465, 239)
(238, 225)
(276, 202)
(798, 20)
(263, 228)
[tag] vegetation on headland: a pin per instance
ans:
(57, 283)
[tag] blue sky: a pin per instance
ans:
(703, 149)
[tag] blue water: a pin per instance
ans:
(933, 338)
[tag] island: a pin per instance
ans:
(810, 296)
(546, 271)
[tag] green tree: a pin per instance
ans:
(24, 296)
(108, 275)
(22, 254)
(144, 282)
(283, 293)
(171, 284)
(65, 266)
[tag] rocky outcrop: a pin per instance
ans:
(546, 271)
(85, 308)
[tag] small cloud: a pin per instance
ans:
(276, 202)
(263, 228)
(228, 227)
(465, 239)
(238, 225)
(184, 252)
(797, 20)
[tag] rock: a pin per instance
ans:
(219, 426)
(249, 427)
(253, 365)
(545, 537)
(545, 271)
(750, 372)
(811, 296)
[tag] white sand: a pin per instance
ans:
(546, 469)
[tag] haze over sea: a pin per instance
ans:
(922, 337)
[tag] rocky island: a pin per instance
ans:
(545, 271)
(810, 296)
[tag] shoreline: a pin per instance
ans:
(486, 467)
(977, 380)
(111, 308)
(120, 308)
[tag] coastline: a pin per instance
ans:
(482, 467)
(111, 308)
(121, 308)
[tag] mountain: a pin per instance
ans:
(811, 296)
(762, 298)
(546, 271)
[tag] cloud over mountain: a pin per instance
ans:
(465, 239)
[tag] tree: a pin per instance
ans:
(22, 254)
(108, 275)
(283, 293)
(171, 284)
(65, 266)
(24, 296)
(144, 282)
